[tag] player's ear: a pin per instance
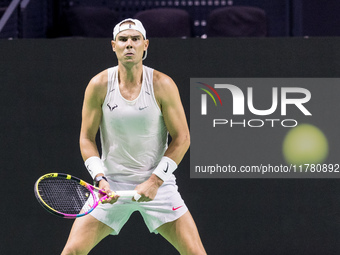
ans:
(146, 44)
(113, 44)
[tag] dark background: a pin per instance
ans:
(285, 18)
(42, 83)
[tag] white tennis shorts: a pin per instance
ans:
(167, 206)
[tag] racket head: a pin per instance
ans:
(65, 196)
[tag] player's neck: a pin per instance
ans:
(130, 76)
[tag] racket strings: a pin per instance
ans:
(66, 196)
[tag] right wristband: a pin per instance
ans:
(95, 166)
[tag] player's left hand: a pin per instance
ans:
(112, 197)
(148, 189)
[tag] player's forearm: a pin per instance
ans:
(88, 148)
(90, 155)
(178, 147)
(171, 159)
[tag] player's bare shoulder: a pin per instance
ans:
(164, 86)
(97, 86)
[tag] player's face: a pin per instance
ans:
(129, 46)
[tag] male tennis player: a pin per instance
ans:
(135, 107)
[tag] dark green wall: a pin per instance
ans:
(41, 90)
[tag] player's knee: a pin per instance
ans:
(193, 250)
(198, 251)
(70, 249)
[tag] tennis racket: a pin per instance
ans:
(69, 197)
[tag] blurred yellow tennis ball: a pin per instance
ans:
(305, 144)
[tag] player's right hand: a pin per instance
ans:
(112, 197)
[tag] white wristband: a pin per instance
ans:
(95, 166)
(165, 168)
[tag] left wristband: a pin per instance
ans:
(95, 166)
(165, 168)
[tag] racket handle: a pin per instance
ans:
(127, 193)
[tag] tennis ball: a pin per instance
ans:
(305, 144)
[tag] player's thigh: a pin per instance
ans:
(183, 235)
(86, 233)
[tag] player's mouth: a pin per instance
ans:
(129, 54)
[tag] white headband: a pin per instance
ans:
(136, 26)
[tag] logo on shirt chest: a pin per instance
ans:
(141, 108)
(112, 107)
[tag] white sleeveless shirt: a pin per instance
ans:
(133, 133)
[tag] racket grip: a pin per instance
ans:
(127, 193)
